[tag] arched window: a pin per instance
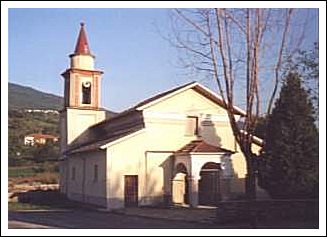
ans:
(86, 92)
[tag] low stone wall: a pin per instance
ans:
(252, 211)
(16, 190)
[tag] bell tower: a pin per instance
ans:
(82, 96)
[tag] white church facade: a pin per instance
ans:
(174, 148)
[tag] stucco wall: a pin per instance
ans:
(63, 130)
(83, 187)
(85, 62)
(158, 186)
(79, 120)
(124, 158)
(187, 102)
(147, 153)
(63, 176)
(166, 122)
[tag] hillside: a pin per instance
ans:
(21, 123)
(22, 97)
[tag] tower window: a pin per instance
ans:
(86, 92)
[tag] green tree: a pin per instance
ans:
(306, 62)
(290, 154)
(260, 127)
(47, 151)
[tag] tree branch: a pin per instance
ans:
(279, 60)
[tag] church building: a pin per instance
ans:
(176, 147)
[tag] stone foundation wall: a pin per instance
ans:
(232, 211)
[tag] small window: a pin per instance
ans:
(191, 126)
(86, 92)
(95, 178)
(73, 173)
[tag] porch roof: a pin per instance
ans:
(199, 146)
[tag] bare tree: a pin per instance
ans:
(230, 45)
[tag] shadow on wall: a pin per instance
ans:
(233, 183)
(151, 194)
(167, 166)
(116, 188)
(229, 180)
(208, 132)
(230, 185)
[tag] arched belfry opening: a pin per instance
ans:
(86, 93)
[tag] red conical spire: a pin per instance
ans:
(82, 46)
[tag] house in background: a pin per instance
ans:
(38, 138)
(176, 147)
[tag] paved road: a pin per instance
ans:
(88, 219)
(26, 225)
(93, 219)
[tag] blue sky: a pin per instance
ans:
(136, 60)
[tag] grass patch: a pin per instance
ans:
(33, 169)
(18, 206)
(45, 173)
(21, 172)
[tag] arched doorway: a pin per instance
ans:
(180, 185)
(209, 184)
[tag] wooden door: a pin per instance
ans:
(209, 188)
(131, 190)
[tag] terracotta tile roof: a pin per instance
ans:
(106, 131)
(199, 146)
(39, 135)
(82, 46)
(97, 144)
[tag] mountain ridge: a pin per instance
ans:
(25, 97)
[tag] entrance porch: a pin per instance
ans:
(201, 174)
